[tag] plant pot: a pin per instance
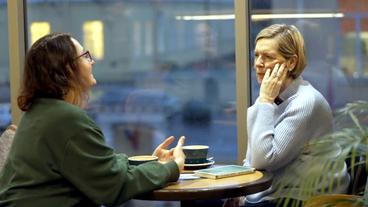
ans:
(335, 200)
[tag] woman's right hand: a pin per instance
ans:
(272, 83)
(178, 154)
(164, 155)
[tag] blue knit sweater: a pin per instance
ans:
(278, 134)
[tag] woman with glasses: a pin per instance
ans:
(58, 156)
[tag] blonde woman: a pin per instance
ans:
(287, 114)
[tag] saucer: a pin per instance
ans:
(199, 166)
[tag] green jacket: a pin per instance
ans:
(59, 158)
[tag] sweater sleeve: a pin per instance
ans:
(105, 177)
(277, 142)
(252, 111)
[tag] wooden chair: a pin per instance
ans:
(335, 200)
(358, 177)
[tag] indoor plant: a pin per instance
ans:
(348, 142)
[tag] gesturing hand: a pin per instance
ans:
(164, 155)
(272, 83)
(179, 155)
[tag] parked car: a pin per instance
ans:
(120, 104)
(196, 112)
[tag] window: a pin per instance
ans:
(5, 116)
(336, 43)
(158, 75)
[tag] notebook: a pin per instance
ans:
(224, 171)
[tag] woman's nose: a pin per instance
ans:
(258, 61)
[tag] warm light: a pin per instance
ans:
(94, 38)
(38, 30)
(207, 17)
(256, 17)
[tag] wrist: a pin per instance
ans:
(266, 99)
(180, 163)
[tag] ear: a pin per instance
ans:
(292, 62)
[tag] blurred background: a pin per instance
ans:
(167, 67)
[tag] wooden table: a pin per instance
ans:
(187, 191)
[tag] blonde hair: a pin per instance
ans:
(290, 42)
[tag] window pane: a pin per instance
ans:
(5, 117)
(158, 74)
(336, 45)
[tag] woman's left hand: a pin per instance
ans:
(272, 83)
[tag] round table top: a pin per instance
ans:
(204, 188)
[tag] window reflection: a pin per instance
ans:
(5, 116)
(336, 45)
(157, 75)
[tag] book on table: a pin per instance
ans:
(224, 171)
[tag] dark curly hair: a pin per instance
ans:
(50, 70)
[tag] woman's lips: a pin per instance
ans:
(260, 77)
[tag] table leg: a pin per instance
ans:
(188, 203)
(201, 203)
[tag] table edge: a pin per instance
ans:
(217, 193)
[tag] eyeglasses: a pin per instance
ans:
(86, 55)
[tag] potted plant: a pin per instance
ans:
(348, 142)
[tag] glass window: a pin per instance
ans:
(158, 74)
(5, 116)
(335, 33)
